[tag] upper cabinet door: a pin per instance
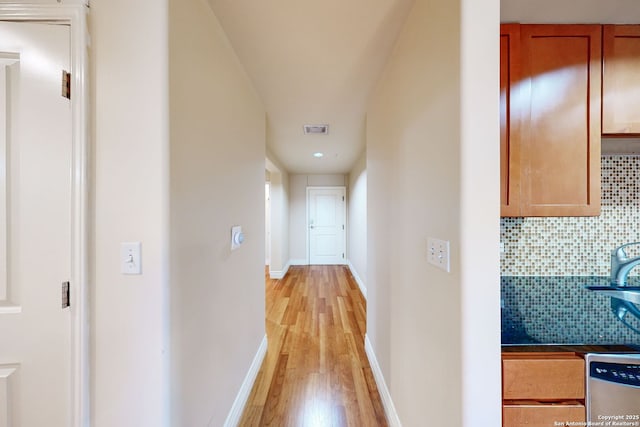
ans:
(509, 120)
(621, 80)
(560, 101)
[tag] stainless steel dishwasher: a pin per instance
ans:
(613, 389)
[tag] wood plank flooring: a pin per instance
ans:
(316, 372)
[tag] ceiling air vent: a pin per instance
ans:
(316, 129)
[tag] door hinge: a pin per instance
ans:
(66, 294)
(343, 226)
(343, 255)
(343, 198)
(66, 84)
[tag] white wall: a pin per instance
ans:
(480, 213)
(279, 263)
(570, 11)
(217, 181)
(432, 171)
(298, 219)
(298, 184)
(129, 314)
(357, 221)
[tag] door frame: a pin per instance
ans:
(267, 225)
(308, 232)
(74, 15)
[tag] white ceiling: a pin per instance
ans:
(313, 62)
(316, 62)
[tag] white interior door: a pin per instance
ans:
(327, 223)
(35, 225)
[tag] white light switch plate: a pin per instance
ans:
(438, 253)
(131, 258)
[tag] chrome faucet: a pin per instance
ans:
(621, 264)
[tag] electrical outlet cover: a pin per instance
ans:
(438, 253)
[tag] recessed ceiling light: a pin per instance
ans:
(318, 155)
(316, 129)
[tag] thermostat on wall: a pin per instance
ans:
(237, 237)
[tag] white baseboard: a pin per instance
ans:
(387, 403)
(233, 419)
(359, 281)
(279, 274)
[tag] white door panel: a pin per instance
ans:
(326, 225)
(326, 245)
(35, 232)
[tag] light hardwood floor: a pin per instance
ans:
(316, 372)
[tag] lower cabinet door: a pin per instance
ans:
(542, 415)
(537, 377)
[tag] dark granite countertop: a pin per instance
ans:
(573, 348)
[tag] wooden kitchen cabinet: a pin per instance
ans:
(509, 128)
(538, 415)
(552, 121)
(543, 376)
(621, 80)
(539, 389)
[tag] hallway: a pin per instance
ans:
(316, 372)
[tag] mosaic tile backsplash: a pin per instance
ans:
(547, 262)
(559, 310)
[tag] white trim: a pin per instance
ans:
(7, 59)
(279, 274)
(233, 419)
(7, 370)
(10, 309)
(359, 281)
(267, 225)
(387, 403)
(344, 213)
(5, 393)
(299, 261)
(76, 16)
